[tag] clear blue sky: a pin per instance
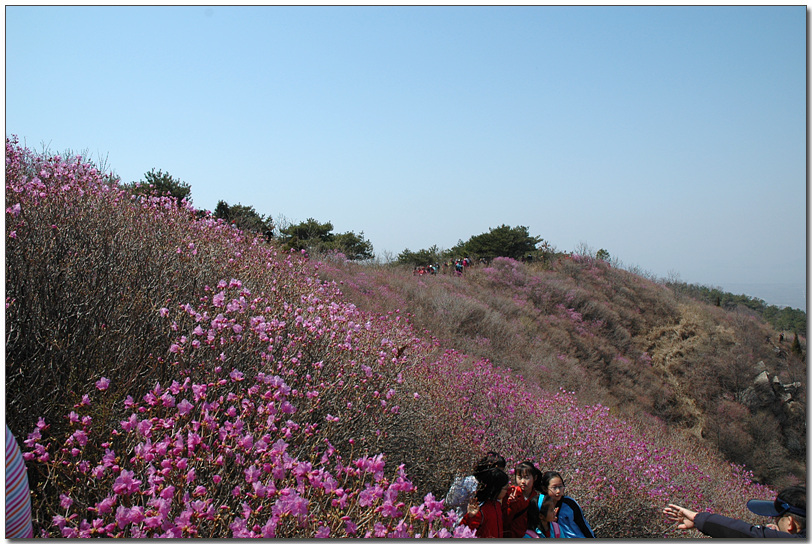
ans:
(673, 137)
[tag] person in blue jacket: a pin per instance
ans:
(788, 511)
(570, 516)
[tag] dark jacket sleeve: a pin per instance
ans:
(719, 526)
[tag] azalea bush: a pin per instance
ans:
(621, 473)
(129, 287)
(87, 267)
(216, 460)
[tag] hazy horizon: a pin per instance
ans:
(776, 294)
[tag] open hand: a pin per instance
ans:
(681, 515)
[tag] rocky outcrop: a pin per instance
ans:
(770, 392)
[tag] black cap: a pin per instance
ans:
(774, 508)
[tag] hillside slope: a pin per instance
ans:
(615, 338)
(169, 375)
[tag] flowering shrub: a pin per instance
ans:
(200, 383)
(216, 460)
(334, 371)
(621, 473)
(506, 271)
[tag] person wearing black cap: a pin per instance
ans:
(788, 509)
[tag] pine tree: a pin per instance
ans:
(796, 345)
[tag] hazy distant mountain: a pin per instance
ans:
(778, 294)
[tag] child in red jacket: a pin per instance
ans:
(526, 478)
(485, 511)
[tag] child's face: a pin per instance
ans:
(525, 482)
(556, 489)
(550, 515)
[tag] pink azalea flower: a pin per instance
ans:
(269, 529)
(252, 474)
(463, 531)
(184, 407)
(168, 492)
(366, 498)
(350, 527)
(106, 506)
(81, 437)
(109, 458)
(380, 530)
(145, 428)
(65, 501)
(125, 484)
(126, 516)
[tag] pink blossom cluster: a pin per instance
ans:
(613, 468)
(215, 459)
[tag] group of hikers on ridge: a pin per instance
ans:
(534, 505)
(458, 265)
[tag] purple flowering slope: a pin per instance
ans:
(199, 383)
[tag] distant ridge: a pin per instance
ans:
(778, 294)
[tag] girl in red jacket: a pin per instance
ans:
(526, 478)
(485, 511)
